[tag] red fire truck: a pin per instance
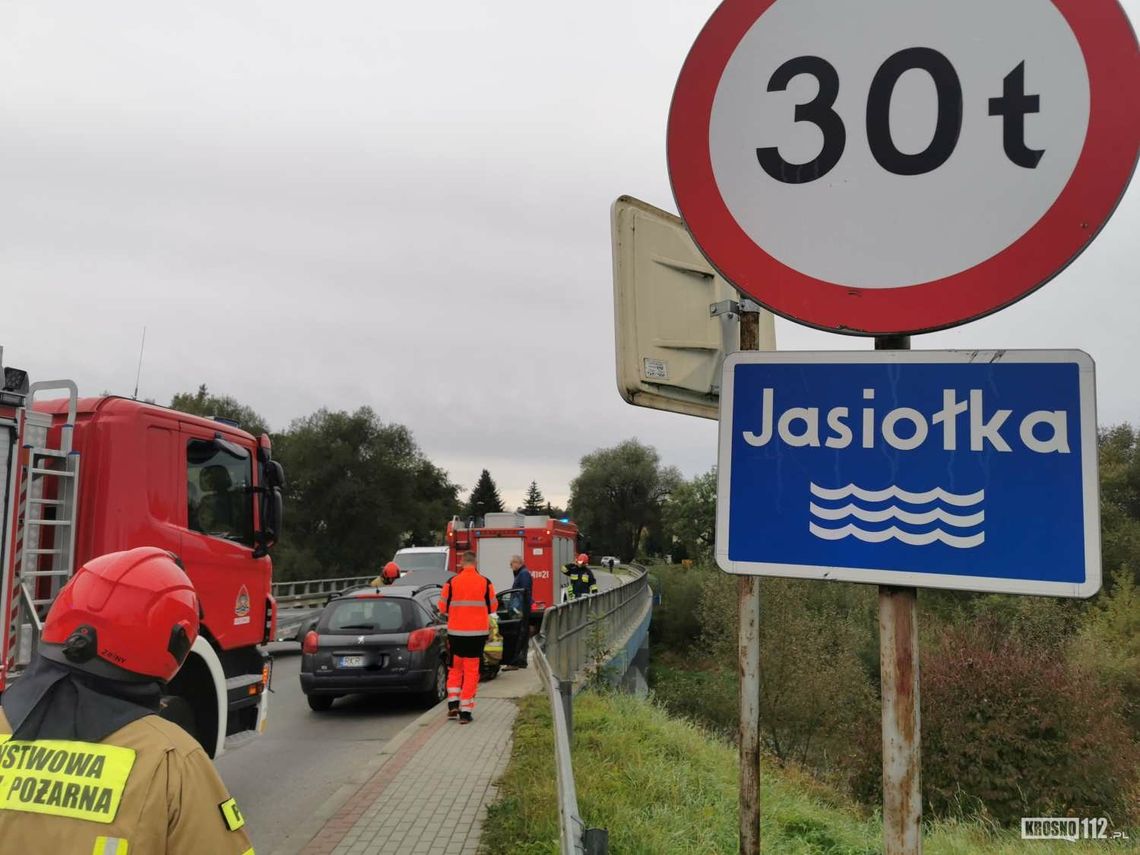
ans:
(80, 477)
(545, 545)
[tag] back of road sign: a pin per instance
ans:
(669, 348)
(942, 469)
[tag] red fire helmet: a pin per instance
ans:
(583, 558)
(125, 615)
(391, 571)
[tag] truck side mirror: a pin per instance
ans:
(272, 508)
(274, 474)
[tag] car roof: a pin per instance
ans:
(412, 550)
(395, 591)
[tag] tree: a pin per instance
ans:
(202, 403)
(484, 497)
(535, 503)
(1119, 449)
(618, 494)
(356, 490)
(690, 515)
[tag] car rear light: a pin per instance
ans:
(421, 639)
(309, 645)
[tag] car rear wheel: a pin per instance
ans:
(320, 703)
(438, 690)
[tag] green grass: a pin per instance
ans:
(662, 786)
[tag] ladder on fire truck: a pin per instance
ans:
(47, 494)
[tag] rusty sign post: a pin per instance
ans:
(898, 661)
(749, 664)
(902, 733)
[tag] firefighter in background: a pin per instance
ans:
(468, 601)
(388, 575)
(582, 579)
(89, 766)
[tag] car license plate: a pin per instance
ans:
(351, 662)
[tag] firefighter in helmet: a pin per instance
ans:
(388, 575)
(582, 579)
(88, 764)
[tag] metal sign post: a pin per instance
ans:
(902, 730)
(749, 663)
(898, 662)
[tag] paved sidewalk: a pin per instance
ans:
(428, 790)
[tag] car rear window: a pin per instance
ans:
(371, 614)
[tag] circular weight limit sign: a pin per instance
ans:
(901, 166)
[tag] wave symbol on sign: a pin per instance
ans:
(927, 519)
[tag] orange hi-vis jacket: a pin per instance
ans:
(468, 600)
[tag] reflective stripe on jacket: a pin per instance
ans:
(468, 600)
(148, 787)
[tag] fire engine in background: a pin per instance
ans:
(83, 477)
(545, 545)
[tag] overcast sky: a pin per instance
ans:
(404, 205)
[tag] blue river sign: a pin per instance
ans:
(969, 470)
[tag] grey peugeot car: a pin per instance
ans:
(377, 641)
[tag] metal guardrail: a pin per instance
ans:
(310, 591)
(574, 635)
(572, 632)
(571, 826)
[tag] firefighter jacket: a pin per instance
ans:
(468, 600)
(146, 789)
(582, 580)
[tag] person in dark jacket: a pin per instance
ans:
(582, 579)
(521, 602)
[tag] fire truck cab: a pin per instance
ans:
(545, 545)
(81, 477)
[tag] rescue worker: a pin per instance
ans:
(87, 764)
(582, 579)
(521, 603)
(468, 601)
(388, 575)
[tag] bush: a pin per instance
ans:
(707, 697)
(814, 689)
(1010, 730)
(1109, 644)
(676, 625)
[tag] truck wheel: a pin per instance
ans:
(320, 703)
(178, 710)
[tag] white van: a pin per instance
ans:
(429, 563)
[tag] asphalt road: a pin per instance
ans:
(304, 757)
(606, 580)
